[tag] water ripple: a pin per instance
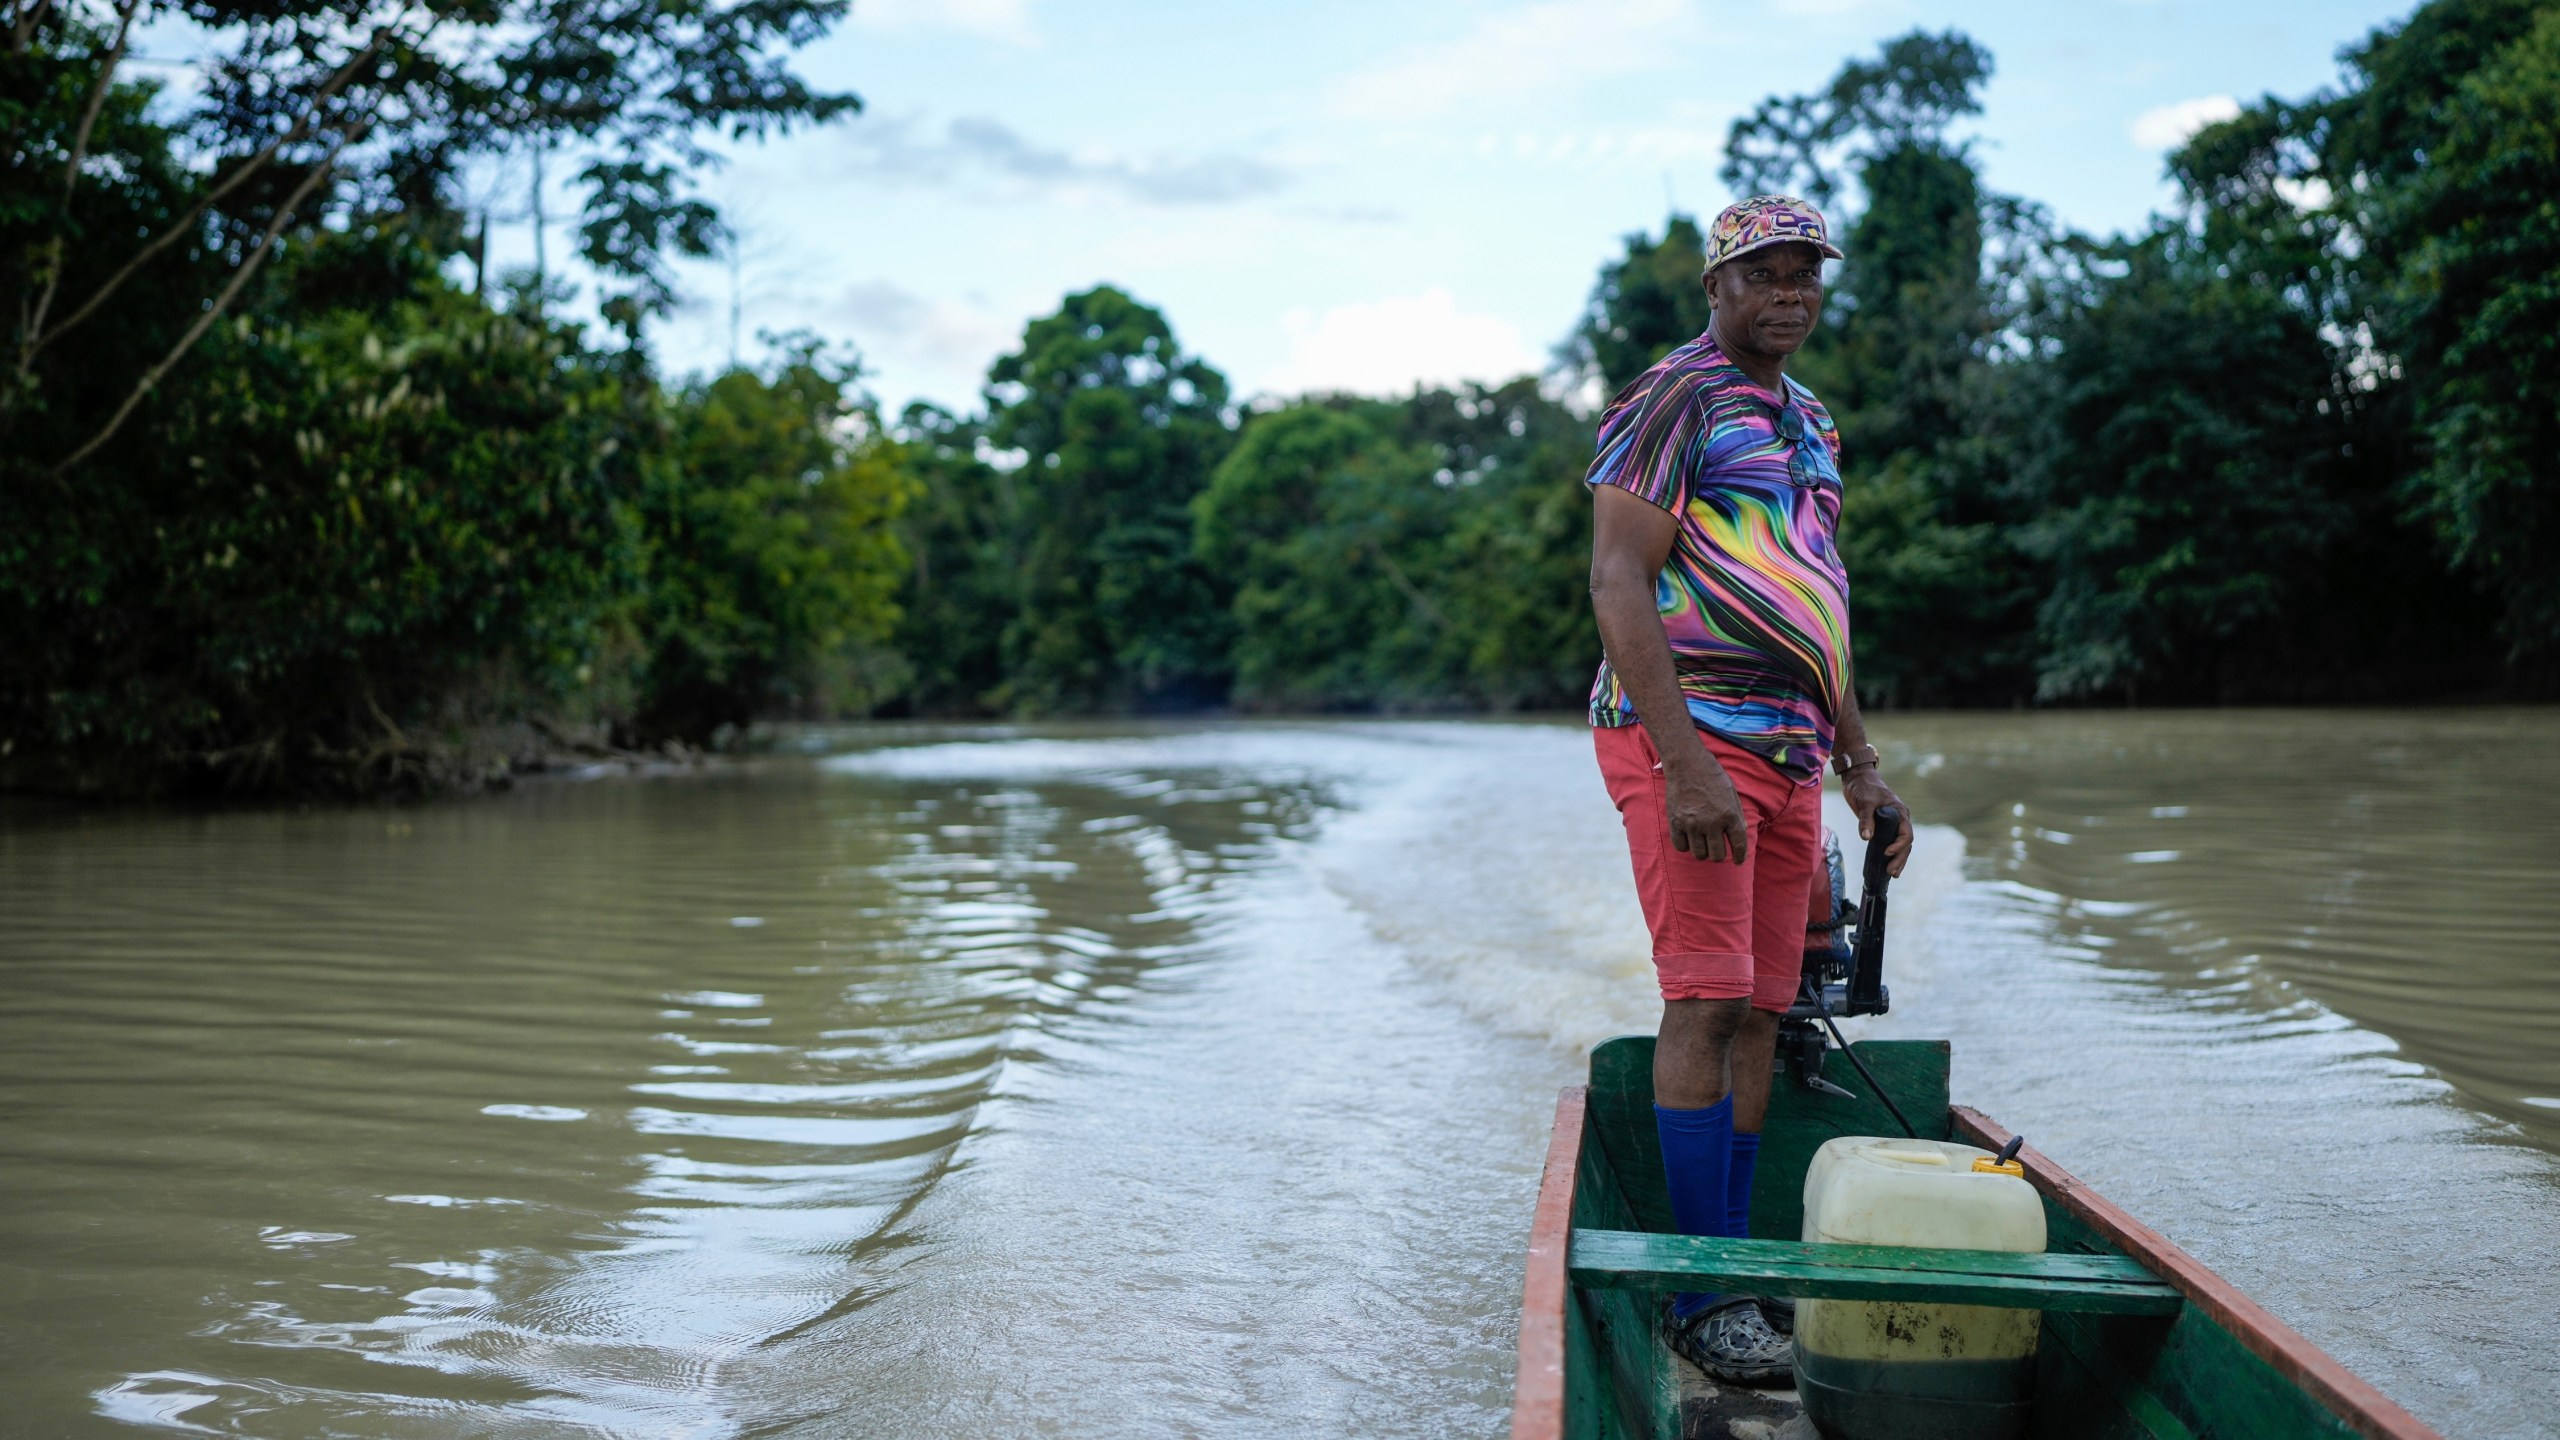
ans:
(636, 1076)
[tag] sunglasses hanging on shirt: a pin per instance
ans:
(1801, 467)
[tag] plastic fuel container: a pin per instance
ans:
(1894, 1370)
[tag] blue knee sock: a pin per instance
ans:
(1697, 1166)
(1737, 1185)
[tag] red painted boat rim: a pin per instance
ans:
(1537, 1396)
(2348, 1395)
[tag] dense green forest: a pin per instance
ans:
(294, 498)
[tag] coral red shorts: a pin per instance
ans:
(1720, 930)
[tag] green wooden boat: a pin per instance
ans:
(2138, 1338)
(2138, 1341)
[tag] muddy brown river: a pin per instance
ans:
(1187, 1079)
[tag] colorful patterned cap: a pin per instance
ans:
(1763, 221)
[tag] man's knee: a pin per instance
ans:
(1713, 1022)
(1693, 1060)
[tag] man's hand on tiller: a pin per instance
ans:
(1867, 793)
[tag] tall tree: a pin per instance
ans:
(1647, 302)
(773, 561)
(1904, 360)
(282, 507)
(1332, 531)
(1410, 554)
(368, 531)
(1115, 430)
(1516, 568)
(357, 115)
(2381, 214)
(1905, 98)
(2446, 162)
(963, 538)
(2184, 485)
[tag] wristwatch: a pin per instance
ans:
(1848, 760)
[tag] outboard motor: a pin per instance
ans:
(1843, 956)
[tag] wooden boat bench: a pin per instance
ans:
(2084, 1284)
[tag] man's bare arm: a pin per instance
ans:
(1631, 538)
(1864, 789)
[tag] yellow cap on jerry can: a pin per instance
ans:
(2007, 1163)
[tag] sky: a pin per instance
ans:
(1343, 194)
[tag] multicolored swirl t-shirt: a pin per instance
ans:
(1753, 597)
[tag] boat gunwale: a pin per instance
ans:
(2349, 1396)
(1537, 1395)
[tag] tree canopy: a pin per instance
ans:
(2294, 440)
(283, 505)
(289, 505)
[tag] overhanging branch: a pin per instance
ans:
(51, 266)
(24, 19)
(220, 306)
(37, 337)
(97, 98)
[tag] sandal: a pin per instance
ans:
(1730, 1342)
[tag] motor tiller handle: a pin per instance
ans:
(1866, 965)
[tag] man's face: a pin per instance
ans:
(1767, 301)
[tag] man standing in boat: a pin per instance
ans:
(1724, 609)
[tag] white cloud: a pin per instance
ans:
(2166, 127)
(1386, 347)
(974, 147)
(1645, 148)
(1005, 20)
(1841, 9)
(1523, 52)
(888, 319)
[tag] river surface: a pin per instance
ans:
(1187, 1080)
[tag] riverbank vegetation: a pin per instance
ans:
(294, 498)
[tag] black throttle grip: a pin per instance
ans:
(1888, 830)
(1866, 961)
